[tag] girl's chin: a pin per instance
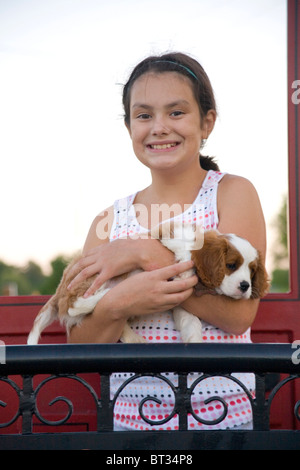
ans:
(160, 161)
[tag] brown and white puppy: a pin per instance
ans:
(225, 264)
(231, 266)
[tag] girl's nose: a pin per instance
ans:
(160, 127)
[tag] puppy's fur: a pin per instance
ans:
(226, 265)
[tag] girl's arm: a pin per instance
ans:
(119, 257)
(143, 293)
(240, 213)
(232, 316)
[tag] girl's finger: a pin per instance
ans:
(98, 282)
(82, 276)
(172, 300)
(176, 269)
(180, 285)
(78, 266)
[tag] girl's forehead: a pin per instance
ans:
(165, 84)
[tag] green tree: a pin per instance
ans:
(11, 275)
(280, 274)
(51, 282)
(30, 279)
(35, 276)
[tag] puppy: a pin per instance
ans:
(225, 264)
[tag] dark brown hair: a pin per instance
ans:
(187, 66)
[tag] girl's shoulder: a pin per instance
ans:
(236, 196)
(236, 185)
(100, 229)
(240, 211)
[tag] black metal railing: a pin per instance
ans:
(24, 363)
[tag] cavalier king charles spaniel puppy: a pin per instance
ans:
(225, 265)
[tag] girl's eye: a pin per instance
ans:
(143, 116)
(176, 113)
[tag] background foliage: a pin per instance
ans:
(30, 279)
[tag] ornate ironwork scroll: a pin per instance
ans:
(3, 404)
(61, 399)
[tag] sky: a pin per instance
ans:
(65, 153)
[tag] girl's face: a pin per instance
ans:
(165, 124)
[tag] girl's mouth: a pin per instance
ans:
(166, 146)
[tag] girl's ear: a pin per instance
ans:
(128, 128)
(208, 123)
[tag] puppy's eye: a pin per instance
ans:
(231, 266)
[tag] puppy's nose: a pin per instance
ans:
(244, 286)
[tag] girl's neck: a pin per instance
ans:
(174, 194)
(171, 189)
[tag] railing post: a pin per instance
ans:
(105, 409)
(261, 418)
(182, 402)
(27, 404)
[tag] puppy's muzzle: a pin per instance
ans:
(244, 286)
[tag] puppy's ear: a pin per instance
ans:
(260, 280)
(210, 260)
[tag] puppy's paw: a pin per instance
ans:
(192, 335)
(192, 332)
(189, 325)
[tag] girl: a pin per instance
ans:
(170, 111)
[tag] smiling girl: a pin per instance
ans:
(170, 111)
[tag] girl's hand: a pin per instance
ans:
(119, 257)
(149, 292)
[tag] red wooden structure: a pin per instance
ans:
(278, 320)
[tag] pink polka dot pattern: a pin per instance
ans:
(160, 328)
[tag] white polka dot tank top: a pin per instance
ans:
(160, 328)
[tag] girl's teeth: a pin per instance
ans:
(162, 147)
